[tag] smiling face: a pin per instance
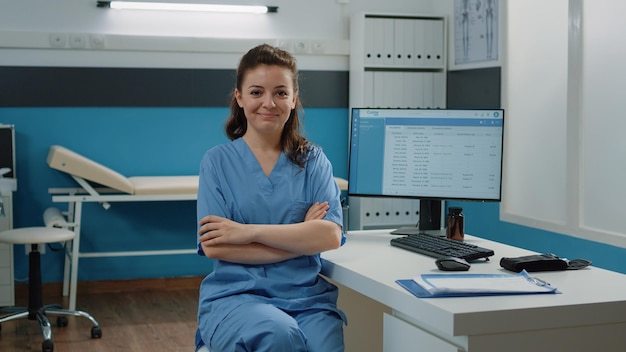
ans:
(267, 97)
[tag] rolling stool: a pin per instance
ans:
(36, 310)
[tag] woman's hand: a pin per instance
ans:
(317, 211)
(228, 240)
(216, 230)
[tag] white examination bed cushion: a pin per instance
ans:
(63, 159)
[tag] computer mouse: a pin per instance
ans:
(452, 264)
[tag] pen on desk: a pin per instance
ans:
(541, 282)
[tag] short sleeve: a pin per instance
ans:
(325, 187)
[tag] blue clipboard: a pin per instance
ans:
(535, 286)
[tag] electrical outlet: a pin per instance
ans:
(78, 41)
(58, 40)
(318, 47)
(286, 45)
(302, 46)
(96, 41)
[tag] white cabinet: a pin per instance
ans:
(7, 292)
(382, 213)
(401, 336)
(396, 61)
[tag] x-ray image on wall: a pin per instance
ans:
(475, 31)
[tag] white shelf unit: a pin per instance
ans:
(396, 61)
(7, 291)
(7, 159)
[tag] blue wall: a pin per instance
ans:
(171, 141)
(482, 219)
(135, 142)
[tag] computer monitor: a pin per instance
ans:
(431, 154)
(7, 149)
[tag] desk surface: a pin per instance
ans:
(368, 264)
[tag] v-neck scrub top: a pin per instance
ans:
(233, 185)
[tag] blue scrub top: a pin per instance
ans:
(233, 185)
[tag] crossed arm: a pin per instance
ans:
(231, 241)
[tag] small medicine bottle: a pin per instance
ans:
(454, 221)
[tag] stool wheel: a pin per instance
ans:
(96, 332)
(62, 321)
(47, 346)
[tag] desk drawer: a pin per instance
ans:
(5, 255)
(400, 336)
(5, 276)
(6, 295)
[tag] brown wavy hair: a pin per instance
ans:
(292, 140)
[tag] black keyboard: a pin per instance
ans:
(437, 247)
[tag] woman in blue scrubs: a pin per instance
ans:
(268, 206)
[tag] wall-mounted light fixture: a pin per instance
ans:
(136, 5)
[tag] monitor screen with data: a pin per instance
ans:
(446, 154)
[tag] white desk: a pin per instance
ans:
(589, 315)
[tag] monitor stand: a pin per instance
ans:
(429, 220)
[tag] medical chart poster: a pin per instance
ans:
(475, 39)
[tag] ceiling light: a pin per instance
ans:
(136, 5)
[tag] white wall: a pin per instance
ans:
(178, 39)
(536, 101)
(563, 88)
(564, 156)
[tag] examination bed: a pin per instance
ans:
(101, 184)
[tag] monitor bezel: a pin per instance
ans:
(481, 200)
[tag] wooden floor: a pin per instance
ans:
(135, 315)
